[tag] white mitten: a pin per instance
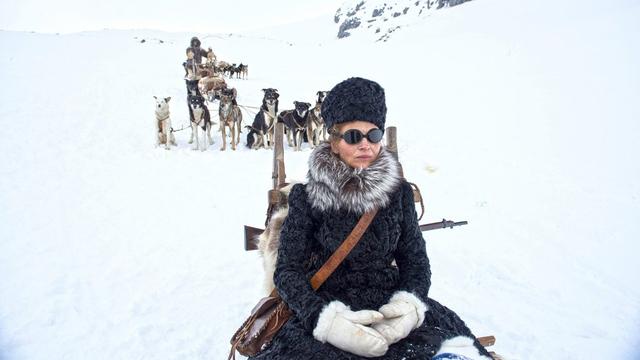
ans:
(346, 330)
(403, 313)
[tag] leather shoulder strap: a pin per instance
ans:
(341, 252)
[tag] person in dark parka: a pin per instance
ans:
(198, 52)
(376, 303)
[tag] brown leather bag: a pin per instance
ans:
(271, 312)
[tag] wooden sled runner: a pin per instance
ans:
(277, 199)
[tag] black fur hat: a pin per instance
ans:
(355, 99)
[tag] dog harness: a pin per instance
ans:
(163, 119)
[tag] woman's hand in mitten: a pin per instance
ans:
(402, 314)
(347, 330)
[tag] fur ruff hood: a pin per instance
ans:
(334, 185)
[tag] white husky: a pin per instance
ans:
(163, 123)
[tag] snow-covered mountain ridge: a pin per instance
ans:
(383, 17)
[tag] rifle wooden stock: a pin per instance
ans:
(251, 237)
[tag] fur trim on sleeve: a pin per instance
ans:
(405, 296)
(325, 320)
(461, 345)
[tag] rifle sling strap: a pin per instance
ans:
(341, 252)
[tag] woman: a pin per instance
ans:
(376, 302)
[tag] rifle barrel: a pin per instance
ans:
(442, 224)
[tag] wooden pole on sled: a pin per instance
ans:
(392, 141)
(278, 157)
(392, 146)
(278, 176)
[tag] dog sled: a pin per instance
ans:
(277, 199)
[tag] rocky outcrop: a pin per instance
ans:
(382, 17)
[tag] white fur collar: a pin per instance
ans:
(334, 185)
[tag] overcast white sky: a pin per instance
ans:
(191, 15)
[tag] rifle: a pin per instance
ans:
(251, 233)
(442, 225)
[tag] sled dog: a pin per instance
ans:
(163, 123)
(263, 126)
(230, 117)
(315, 122)
(296, 123)
(199, 116)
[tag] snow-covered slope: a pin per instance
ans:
(112, 248)
(380, 18)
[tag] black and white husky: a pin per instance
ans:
(199, 116)
(263, 126)
(163, 123)
(296, 123)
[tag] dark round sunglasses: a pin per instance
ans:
(354, 136)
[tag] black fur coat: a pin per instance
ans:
(321, 215)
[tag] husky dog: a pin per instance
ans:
(199, 116)
(222, 67)
(234, 94)
(233, 70)
(212, 86)
(315, 122)
(269, 240)
(296, 123)
(321, 96)
(243, 71)
(255, 137)
(264, 122)
(231, 117)
(240, 71)
(163, 123)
